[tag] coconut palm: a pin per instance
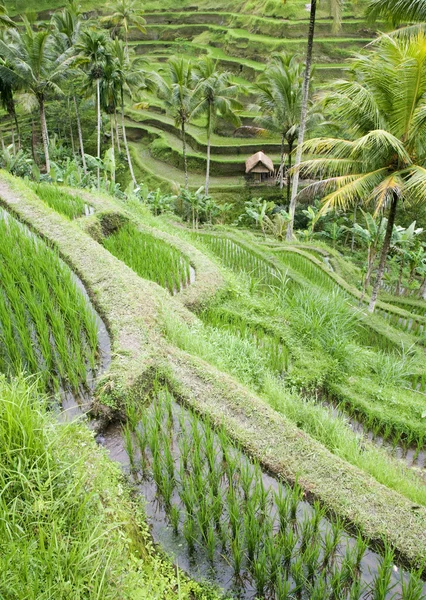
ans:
(175, 88)
(335, 11)
(383, 110)
(398, 11)
(93, 51)
(31, 62)
(279, 95)
(68, 24)
(214, 95)
(125, 13)
(125, 75)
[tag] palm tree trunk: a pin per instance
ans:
(117, 132)
(33, 141)
(126, 145)
(282, 162)
(71, 129)
(44, 134)
(98, 106)
(111, 121)
(290, 150)
(303, 118)
(353, 231)
(400, 274)
(384, 254)
(185, 162)
(208, 162)
(80, 136)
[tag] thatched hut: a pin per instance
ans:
(259, 167)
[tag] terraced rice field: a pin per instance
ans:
(241, 41)
(47, 326)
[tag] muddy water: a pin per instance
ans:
(219, 569)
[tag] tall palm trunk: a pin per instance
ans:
(44, 134)
(400, 275)
(98, 106)
(80, 136)
(117, 131)
(185, 161)
(71, 129)
(422, 289)
(282, 162)
(384, 254)
(290, 151)
(208, 153)
(126, 145)
(111, 121)
(303, 118)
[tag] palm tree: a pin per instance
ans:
(398, 11)
(279, 93)
(335, 11)
(31, 62)
(214, 95)
(93, 50)
(68, 25)
(383, 110)
(125, 14)
(124, 76)
(175, 88)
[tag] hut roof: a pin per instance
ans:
(261, 158)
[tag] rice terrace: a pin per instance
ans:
(213, 300)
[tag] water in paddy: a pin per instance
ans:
(222, 519)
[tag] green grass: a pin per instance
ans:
(150, 257)
(68, 525)
(46, 324)
(71, 206)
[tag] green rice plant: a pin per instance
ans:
(288, 542)
(319, 590)
(356, 591)
(150, 257)
(274, 560)
(260, 571)
(283, 588)
(210, 542)
(237, 554)
(310, 554)
(298, 575)
(251, 527)
(412, 587)
(70, 205)
(381, 585)
(129, 446)
(282, 502)
(175, 518)
(189, 532)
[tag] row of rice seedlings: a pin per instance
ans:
(307, 268)
(409, 324)
(275, 352)
(64, 203)
(248, 525)
(150, 257)
(46, 324)
(263, 275)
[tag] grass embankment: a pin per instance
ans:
(46, 324)
(69, 528)
(131, 308)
